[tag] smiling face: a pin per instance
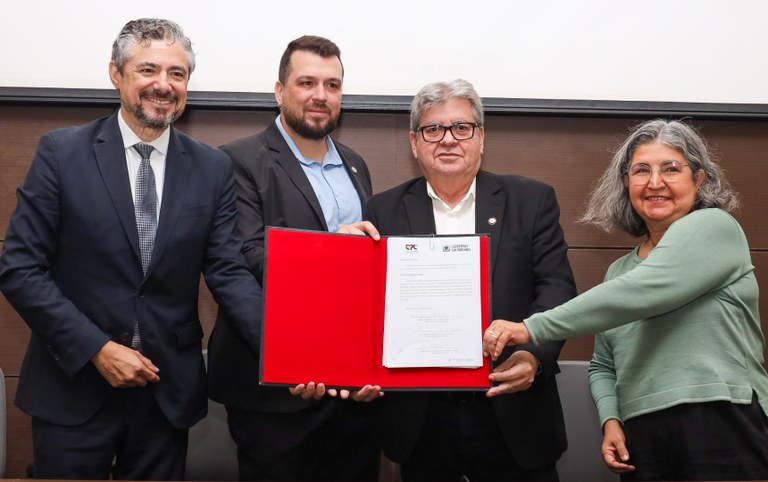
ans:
(310, 99)
(448, 158)
(658, 202)
(152, 86)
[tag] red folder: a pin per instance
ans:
(324, 315)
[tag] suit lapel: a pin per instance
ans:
(354, 175)
(110, 157)
(489, 211)
(291, 166)
(418, 209)
(178, 168)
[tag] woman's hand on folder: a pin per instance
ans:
(503, 333)
(363, 228)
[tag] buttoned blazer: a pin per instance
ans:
(529, 273)
(71, 267)
(272, 190)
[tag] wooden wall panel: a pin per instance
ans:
(589, 266)
(14, 335)
(567, 152)
(20, 130)
(19, 435)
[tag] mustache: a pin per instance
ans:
(319, 105)
(159, 95)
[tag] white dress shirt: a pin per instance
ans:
(457, 220)
(156, 159)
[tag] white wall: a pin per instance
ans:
(646, 50)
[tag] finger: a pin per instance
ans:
(490, 341)
(514, 386)
(147, 362)
(618, 467)
(374, 393)
(361, 228)
(498, 346)
(321, 390)
(146, 374)
(349, 229)
(297, 390)
(309, 391)
(362, 394)
(333, 392)
(368, 228)
(614, 464)
(147, 370)
(621, 449)
(495, 391)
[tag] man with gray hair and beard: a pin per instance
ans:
(294, 175)
(114, 225)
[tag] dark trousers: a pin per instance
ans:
(461, 438)
(129, 431)
(331, 440)
(699, 441)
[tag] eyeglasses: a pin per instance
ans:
(460, 131)
(670, 171)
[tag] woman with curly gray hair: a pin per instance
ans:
(678, 374)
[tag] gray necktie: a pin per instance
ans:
(145, 207)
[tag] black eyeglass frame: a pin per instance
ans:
(445, 129)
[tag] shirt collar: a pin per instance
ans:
(130, 138)
(470, 194)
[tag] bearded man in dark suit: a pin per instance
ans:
(293, 174)
(114, 225)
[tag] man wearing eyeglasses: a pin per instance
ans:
(439, 436)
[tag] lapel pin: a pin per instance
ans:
(354, 169)
(492, 221)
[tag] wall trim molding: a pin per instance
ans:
(400, 104)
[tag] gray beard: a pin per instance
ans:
(153, 122)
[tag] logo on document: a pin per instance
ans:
(411, 247)
(451, 248)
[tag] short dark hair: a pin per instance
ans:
(311, 43)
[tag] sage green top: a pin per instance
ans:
(681, 326)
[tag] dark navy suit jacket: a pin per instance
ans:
(72, 269)
(529, 272)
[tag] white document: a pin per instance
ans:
(433, 311)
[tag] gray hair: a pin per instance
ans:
(609, 206)
(144, 31)
(438, 93)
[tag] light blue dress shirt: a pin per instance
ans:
(333, 187)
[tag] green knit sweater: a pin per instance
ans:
(680, 326)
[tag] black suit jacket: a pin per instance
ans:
(529, 271)
(272, 190)
(71, 267)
